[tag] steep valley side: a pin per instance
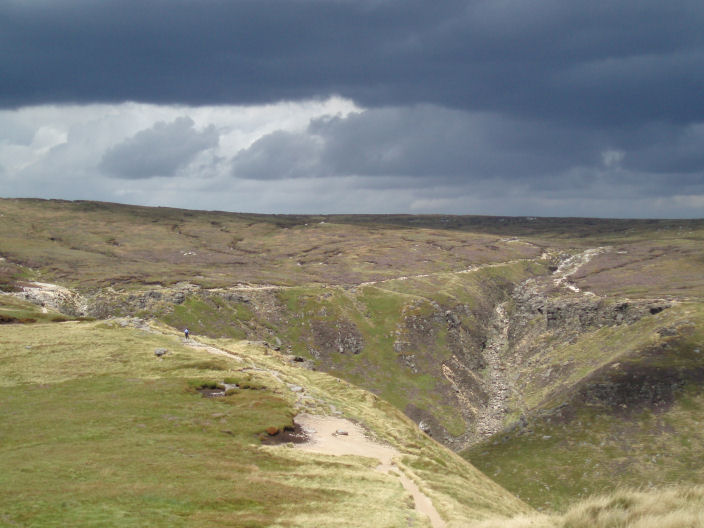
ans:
(561, 357)
(464, 354)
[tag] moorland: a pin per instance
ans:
(528, 371)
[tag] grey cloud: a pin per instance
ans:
(158, 151)
(421, 142)
(425, 147)
(679, 151)
(279, 155)
(580, 62)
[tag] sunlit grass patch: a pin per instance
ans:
(97, 430)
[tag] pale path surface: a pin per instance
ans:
(323, 439)
(322, 432)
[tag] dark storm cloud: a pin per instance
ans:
(540, 107)
(279, 155)
(448, 144)
(158, 151)
(422, 142)
(593, 62)
(425, 146)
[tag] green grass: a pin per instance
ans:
(322, 260)
(96, 430)
(211, 316)
(410, 311)
(594, 446)
(595, 349)
(164, 456)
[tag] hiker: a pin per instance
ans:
(186, 332)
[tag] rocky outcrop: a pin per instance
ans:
(53, 296)
(537, 312)
(496, 381)
(338, 337)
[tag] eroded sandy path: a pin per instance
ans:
(323, 432)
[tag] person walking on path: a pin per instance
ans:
(186, 333)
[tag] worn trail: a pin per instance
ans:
(323, 432)
(324, 438)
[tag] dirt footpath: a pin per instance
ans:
(327, 436)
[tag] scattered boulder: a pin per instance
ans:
(178, 298)
(424, 426)
(159, 352)
(341, 432)
(453, 321)
(667, 332)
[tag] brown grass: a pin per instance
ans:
(677, 507)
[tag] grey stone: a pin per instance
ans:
(178, 298)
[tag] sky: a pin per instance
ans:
(501, 107)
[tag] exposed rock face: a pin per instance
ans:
(341, 337)
(537, 311)
(54, 297)
(540, 312)
(577, 313)
(496, 382)
(465, 344)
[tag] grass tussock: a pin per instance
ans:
(668, 508)
(204, 384)
(676, 507)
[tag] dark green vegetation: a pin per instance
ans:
(477, 327)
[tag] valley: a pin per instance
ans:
(561, 358)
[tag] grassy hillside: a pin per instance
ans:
(98, 431)
(565, 352)
(625, 409)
